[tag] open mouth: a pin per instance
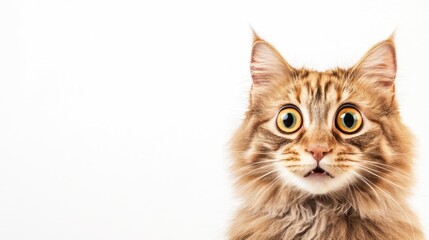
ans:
(318, 171)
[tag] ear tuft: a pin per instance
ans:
(255, 36)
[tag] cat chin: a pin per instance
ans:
(317, 184)
(324, 184)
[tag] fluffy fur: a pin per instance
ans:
(371, 169)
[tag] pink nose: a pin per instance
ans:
(318, 151)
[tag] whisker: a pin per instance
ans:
(271, 185)
(258, 178)
(247, 167)
(391, 170)
(350, 184)
(383, 166)
(366, 181)
(384, 179)
(284, 185)
(253, 152)
(296, 165)
(381, 154)
(264, 161)
(252, 171)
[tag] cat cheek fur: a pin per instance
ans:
(366, 199)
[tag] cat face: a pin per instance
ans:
(320, 132)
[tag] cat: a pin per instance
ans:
(323, 155)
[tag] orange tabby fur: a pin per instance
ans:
(371, 202)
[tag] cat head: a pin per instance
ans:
(321, 133)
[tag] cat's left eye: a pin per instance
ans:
(348, 120)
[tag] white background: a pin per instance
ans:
(115, 115)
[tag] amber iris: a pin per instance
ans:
(348, 120)
(289, 120)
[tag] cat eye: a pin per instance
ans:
(289, 120)
(348, 120)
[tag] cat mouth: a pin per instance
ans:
(318, 171)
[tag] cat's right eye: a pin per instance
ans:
(289, 120)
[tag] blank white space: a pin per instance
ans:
(115, 115)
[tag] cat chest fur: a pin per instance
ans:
(318, 221)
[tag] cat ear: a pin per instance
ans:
(378, 67)
(266, 63)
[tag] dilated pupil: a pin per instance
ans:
(348, 120)
(288, 120)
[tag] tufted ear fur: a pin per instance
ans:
(267, 64)
(377, 68)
